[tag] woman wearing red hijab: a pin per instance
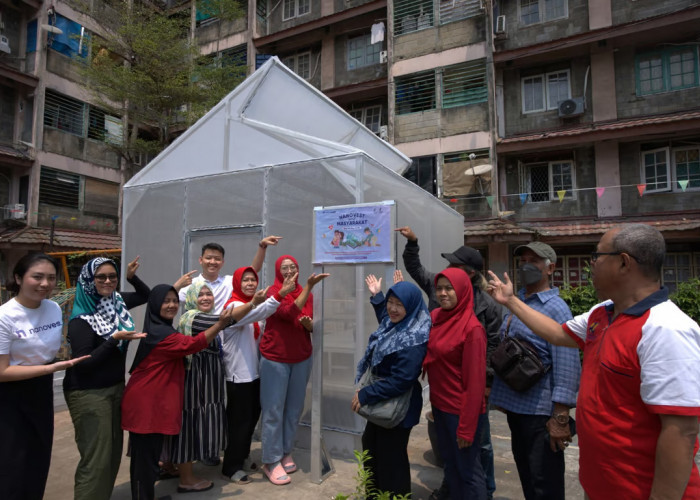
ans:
(285, 367)
(240, 342)
(456, 368)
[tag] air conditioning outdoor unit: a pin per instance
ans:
(383, 56)
(383, 132)
(16, 211)
(571, 107)
(500, 25)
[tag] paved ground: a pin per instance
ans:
(425, 475)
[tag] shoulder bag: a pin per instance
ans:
(388, 413)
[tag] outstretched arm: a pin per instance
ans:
(540, 324)
(22, 372)
(262, 250)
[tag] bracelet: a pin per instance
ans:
(262, 245)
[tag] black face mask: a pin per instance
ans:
(529, 274)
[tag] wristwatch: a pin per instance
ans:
(561, 418)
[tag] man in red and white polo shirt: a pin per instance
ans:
(639, 398)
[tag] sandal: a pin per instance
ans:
(238, 477)
(288, 464)
(277, 475)
(195, 488)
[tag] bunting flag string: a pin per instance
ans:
(641, 188)
(683, 184)
(561, 193)
(523, 198)
(599, 191)
(489, 201)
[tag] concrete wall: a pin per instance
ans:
(519, 35)
(440, 123)
(517, 122)
(459, 33)
(80, 148)
(630, 176)
(629, 104)
(343, 76)
(585, 175)
(341, 5)
(624, 11)
(210, 32)
(275, 22)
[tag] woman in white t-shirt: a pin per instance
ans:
(30, 336)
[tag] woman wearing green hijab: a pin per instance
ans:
(100, 326)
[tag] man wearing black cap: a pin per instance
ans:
(538, 418)
(487, 311)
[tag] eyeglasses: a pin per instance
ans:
(102, 278)
(288, 268)
(595, 255)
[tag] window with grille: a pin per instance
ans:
(369, 116)
(454, 10)
(295, 8)
(423, 172)
(545, 91)
(543, 181)
(539, 11)
(666, 169)
(70, 115)
(677, 269)
(361, 52)
(412, 15)
(300, 64)
(59, 188)
(464, 84)
(667, 70)
(415, 92)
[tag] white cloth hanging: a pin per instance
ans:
(377, 32)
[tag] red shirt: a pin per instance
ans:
(153, 397)
(285, 339)
(643, 363)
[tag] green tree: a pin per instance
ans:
(146, 67)
(580, 298)
(687, 298)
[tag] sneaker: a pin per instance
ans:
(211, 461)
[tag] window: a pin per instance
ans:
(415, 92)
(454, 10)
(423, 173)
(295, 8)
(676, 270)
(667, 70)
(361, 52)
(544, 92)
(300, 64)
(73, 40)
(539, 11)
(71, 115)
(370, 117)
(543, 181)
(68, 190)
(667, 169)
(412, 15)
(464, 84)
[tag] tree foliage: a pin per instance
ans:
(687, 298)
(145, 66)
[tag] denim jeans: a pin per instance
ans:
(282, 393)
(462, 466)
(487, 456)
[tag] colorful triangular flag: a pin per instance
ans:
(561, 193)
(489, 200)
(523, 198)
(600, 191)
(641, 188)
(683, 184)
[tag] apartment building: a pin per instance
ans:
(598, 123)
(59, 181)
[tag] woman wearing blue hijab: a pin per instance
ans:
(394, 354)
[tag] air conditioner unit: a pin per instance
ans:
(4, 44)
(384, 132)
(16, 211)
(500, 25)
(383, 56)
(571, 107)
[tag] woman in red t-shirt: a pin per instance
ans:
(456, 368)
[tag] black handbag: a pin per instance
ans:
(388, 413)
(516, 362)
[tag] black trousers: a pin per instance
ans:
(145, 452)
(541, 470)
(242, 414)
(388, 462)
(26, 437)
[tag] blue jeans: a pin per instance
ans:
(487, 455)
(282, 393)
(462, 466)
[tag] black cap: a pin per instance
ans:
(465, 256)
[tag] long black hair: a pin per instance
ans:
(23, 265)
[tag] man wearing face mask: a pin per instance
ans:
(539, 417)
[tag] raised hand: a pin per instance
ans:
(270, 240)
(315, 278)
(259, 297)
(374, 284)
(289, 284)
(307, 323)
(132, 267)
(501, 291)
(398, 276)
(125, 335)
(184, 280)
(407, 233)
